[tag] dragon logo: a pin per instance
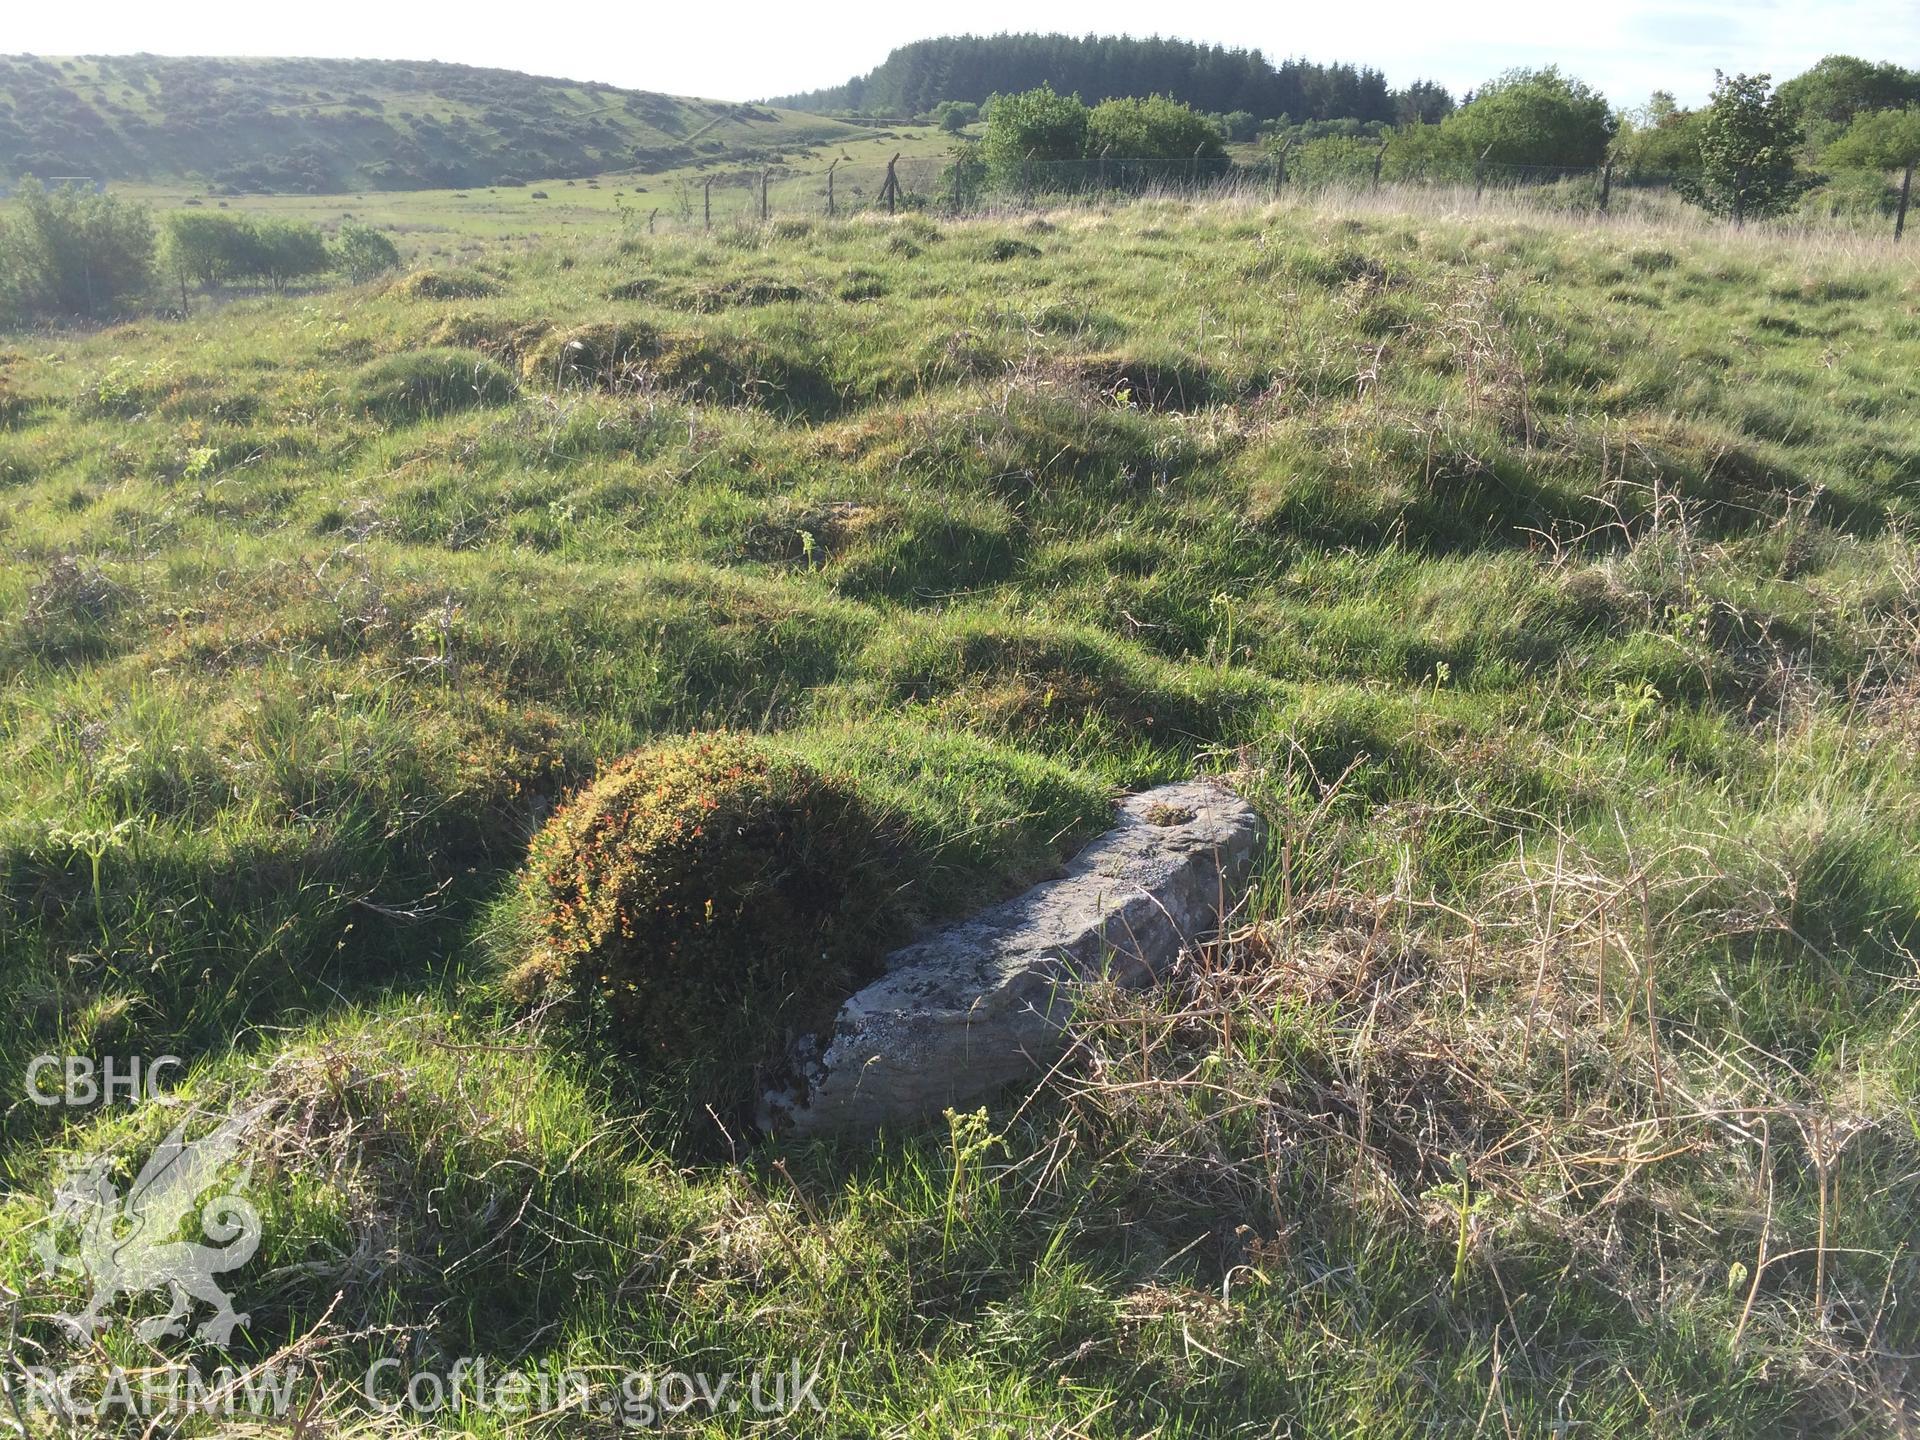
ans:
(130, 1246)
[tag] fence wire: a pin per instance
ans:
(943, 186)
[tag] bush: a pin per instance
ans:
(69, 253)
(362, 252)
(200, 247)
(429, 382)
(1536, 118)
(1157, 128)
(953, 116)
(279, 251)
(702, 900)
(210, 248)
(1035, 125)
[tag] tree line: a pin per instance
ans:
(1829, 137)
(73, 254)
(1833, 137)
(915, 78)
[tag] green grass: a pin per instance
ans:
(1553, 590)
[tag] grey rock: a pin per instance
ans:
(984, 1002)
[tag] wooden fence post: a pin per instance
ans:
(1026, 177)
(1906, 193)
(1606, 187)
(1480, 173)
(1103, 167)
(1379, 159)
(706, 203)
(763, 195)
(830, 169)
(652, 215)
(892, 188)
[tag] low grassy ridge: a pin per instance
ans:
(305, 126)
(1553, 590)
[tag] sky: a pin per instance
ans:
(750, 49)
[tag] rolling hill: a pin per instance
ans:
(330, 125)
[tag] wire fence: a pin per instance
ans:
(951, 186)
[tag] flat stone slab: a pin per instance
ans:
(984, 1002)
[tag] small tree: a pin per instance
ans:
(362, 252)
(1536, 118)
(953, 116)
(1034, 125)
(1747, 142)
(1240, 126)
(196, 248)
(70, 253)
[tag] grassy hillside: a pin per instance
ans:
(1554, 590)
(336, 125)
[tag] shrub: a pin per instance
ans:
(702, 900)
(1157, 128)
(362, 252)
(1035, 125)
(429, 382)
(953, 116)
(69, 253)
(1535, 117)
(279, 251)
(209, 248)
(199, 247)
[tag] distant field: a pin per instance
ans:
(438, 224)
(1552, 587)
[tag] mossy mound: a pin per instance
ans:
(595, 355)
(445, 285)
(705, 898)
(14, 407)
(420, 383)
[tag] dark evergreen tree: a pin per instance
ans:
(1209, 78)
